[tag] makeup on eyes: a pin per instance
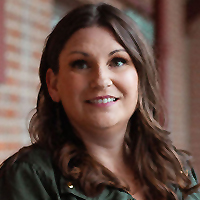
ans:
(84, 64)
(117, 61)
(79, 64)
(117, 58)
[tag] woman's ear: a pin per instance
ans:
(51, 81)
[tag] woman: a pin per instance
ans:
(96, 132)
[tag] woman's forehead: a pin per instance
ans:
(92, 39)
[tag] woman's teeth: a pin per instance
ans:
(105, 100)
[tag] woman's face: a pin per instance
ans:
(97, 82)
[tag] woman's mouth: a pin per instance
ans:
(102, 100)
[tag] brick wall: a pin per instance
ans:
(27, 23)
(2, 46)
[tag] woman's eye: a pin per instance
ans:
(117, 62)
(79, 64)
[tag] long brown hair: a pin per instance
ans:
(153, 157)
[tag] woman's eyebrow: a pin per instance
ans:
(115, 51)
(86, 54)
(79, 52)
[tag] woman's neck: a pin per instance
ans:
(106, 147)
(110, 156)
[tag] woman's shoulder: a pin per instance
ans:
(32, 155)
(29, 172)
(31, 159)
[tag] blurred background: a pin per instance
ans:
(171, 26)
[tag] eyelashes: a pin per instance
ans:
(81, 64)
(117, 62)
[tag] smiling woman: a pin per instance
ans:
(95, 132)
(96, 71)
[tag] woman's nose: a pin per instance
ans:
(100, 78)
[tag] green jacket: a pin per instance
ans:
(32, 176)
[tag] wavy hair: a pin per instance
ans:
(153, 157)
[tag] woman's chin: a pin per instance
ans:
(102, 124)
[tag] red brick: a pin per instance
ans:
(14, 32)
(12, 48)
(13, 64)
(12, 81)
(8, 113)
(14, 98)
